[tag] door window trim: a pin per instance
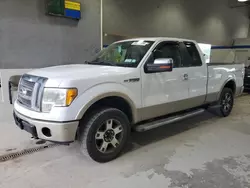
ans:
(157, 45)
(189, 58)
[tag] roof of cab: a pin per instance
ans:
(158, 39)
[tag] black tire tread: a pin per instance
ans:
(84, 130)
(219, 112)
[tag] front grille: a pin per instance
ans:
(27, 83)
(25, 102)
(30, 90)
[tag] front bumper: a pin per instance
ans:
(62, 132)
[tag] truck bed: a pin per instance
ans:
(218, 74)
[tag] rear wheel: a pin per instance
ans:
(104, 135)
(226, 102)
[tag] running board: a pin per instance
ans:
(161, 122)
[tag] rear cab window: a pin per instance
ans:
(193, 54)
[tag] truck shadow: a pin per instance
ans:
(139, 140)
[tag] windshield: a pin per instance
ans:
(126, 54)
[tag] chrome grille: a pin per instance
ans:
(30, 91)
(27, 83)
(25, 102)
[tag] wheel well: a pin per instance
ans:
(231, 84)
(113, 102)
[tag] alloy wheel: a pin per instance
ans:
(109, 136)
(227, 102)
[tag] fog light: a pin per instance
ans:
(46, 131)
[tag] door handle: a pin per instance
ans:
(185, 77)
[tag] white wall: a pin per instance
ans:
(223, 55)
(208, 21)
(242, 41)
(238, 53)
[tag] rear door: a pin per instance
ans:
(197, 74)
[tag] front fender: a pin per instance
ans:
(98, 92)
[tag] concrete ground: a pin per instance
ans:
(11, 138)
(205, 151)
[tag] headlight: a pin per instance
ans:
(57, 97)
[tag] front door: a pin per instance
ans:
(165, 92)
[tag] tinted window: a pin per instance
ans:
(194, 54)
(167, 50)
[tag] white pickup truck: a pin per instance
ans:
(135, 84)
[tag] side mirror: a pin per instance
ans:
(160, 65)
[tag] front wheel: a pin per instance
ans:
(104, 135)
(226, 102)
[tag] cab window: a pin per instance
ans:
(167, 50)
(195, 59)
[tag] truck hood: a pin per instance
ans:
(67, 73)
(76, 70)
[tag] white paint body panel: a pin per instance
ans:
(219, 74)
(165, 87)
(197, 78)
(94, 82)
(91, 81)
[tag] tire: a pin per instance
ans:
(101, 132)
(226, 99)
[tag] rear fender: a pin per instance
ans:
(223, 86)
